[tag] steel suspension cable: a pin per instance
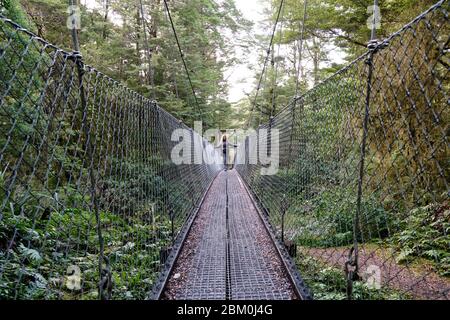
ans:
(275, 69)
(300, 49)
(182, 58)
(147, 51)
(265, 61)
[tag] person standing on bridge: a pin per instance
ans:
(225, 146)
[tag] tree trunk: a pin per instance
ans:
(316, 60)
(105, 19)
(138, 38)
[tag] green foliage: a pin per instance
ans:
(36, 263)
(425, 234)
(13, 10)
(48, 223)
(39, 241)
(112, 39)
(40, 238)
(329, 283)
(327, 219)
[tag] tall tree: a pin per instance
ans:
(132, 41)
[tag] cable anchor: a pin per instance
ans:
(351, 271)
(106, 284)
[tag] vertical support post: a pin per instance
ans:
(352, 275)
(235, 149)
(283, 209)
(172, 225)
(269, 137)
(190, 166)
(274, 81)
(291, 136)
(74, 32)
(373, 34)
(284, 203)
(148, 52)
(105, 278)
(300, 52)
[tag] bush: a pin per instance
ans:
(327, 219)
(35, 266)
(425, 234)
(329, 283)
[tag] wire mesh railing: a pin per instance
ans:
(90, 201)
(361, 195)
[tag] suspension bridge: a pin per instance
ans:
(92, 207)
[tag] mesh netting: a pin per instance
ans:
(362, 187)
(89, 195)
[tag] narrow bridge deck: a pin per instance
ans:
(228, 253)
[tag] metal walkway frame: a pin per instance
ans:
(235, 253)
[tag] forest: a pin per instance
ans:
(113, 39)
(87, 183)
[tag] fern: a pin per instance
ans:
(31, 254)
